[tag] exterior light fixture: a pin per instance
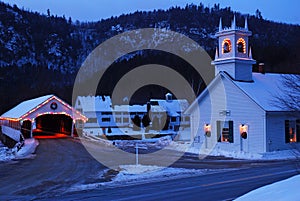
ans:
(244, 131)
(207, 130)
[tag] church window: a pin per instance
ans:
(226, 46)
(241, 45)
(292, 131)
(225, 131)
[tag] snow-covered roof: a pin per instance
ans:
(94, 103)
(265, 89)
(30, 109)
(130, 108)
(179, 105)
(25, 107)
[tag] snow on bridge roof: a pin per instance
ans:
(29, 107)
(24, 107)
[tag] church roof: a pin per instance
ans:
(265, 90)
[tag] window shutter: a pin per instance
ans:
(219, 131)
(298, 129)
(287, 128)
(231, 131)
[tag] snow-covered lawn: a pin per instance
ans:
(134, 174)
(275, 155)
(183, 146)
(286, 190)
(26, 151)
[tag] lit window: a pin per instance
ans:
(226, 46)
(241, 45)
(292, 131)
(225, 131)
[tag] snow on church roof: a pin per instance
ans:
(24, 107)
(264, 89)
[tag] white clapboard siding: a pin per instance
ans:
(224, 95)
(276, 131)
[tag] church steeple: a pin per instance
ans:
(220, 25)
(233, 54)
(246, 23)
(233, 24)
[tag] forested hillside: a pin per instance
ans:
(41, 54)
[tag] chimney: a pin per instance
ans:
(169, 97)
(261, 68)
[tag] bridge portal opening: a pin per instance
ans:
(53, 125)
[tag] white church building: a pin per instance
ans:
(238, 111)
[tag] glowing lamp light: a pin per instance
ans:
(244, 131)
(207, 130)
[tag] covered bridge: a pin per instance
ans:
(44, 115)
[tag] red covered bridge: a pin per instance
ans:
(46, 115)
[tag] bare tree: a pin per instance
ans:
(290, 99)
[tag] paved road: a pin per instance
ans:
(219, 186)
(61, 163)
(58, 164)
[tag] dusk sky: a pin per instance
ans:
(93, 10)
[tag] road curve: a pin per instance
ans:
(59, 163)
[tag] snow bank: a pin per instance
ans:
(183, 146)
(283, 190)
(275, 155)
(137, 173)
(28, 148)
(134, 174)
(145, 143)
(5, 153)
(26, 151)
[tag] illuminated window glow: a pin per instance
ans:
(226, 45)
(241, 45)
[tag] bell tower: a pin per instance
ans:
(233, 54)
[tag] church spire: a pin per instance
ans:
(217, 54)
(233, 24)
(220, 25)
(246, 23)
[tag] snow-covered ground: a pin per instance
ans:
(275, 155)
(283, 190)
(183, 146)
(133, 174)
(25, 152)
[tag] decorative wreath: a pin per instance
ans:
(53, 106)
(208, 133)
(244, 135)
